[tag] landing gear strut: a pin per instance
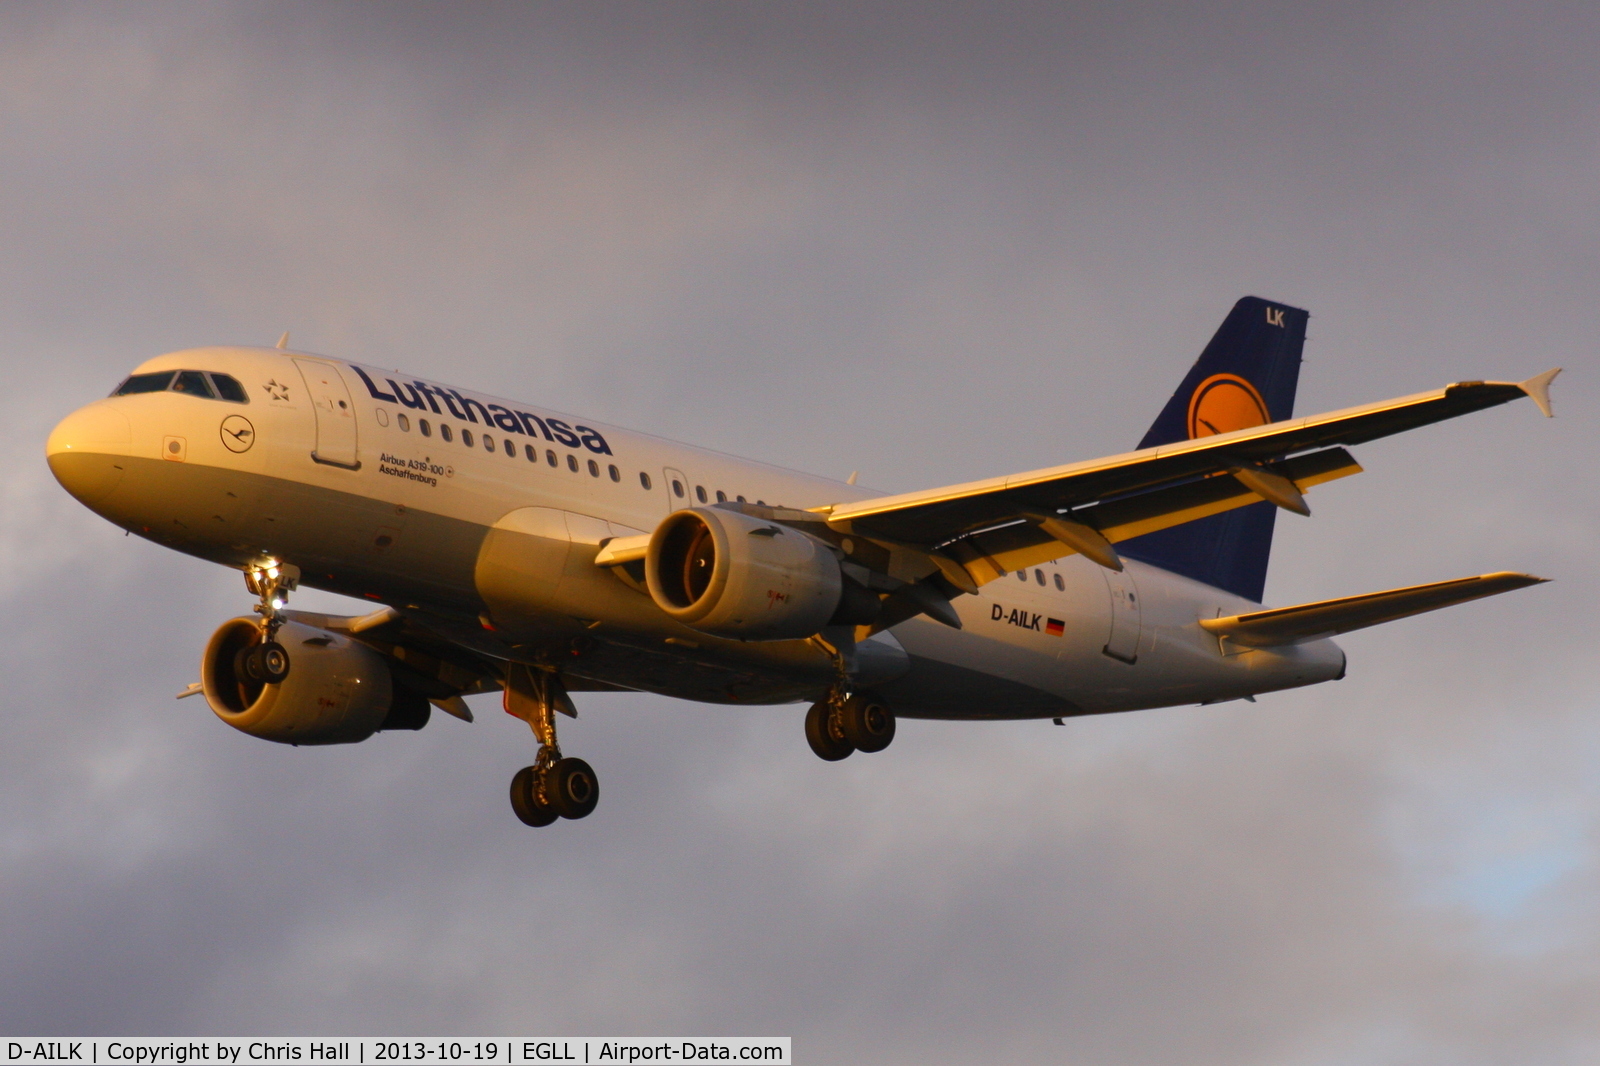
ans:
(553, 787)
(266, 662)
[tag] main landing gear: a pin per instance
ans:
(553, 787)
(266, 662)
(842, 724)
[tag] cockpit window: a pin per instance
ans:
(157, 382)
(229, 388)
(194, 383)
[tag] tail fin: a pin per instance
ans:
(1245, 377)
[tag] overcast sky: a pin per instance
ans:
(929, 242)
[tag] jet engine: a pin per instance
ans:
(336, 690)
(730, 575)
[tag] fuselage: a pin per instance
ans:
(483, 517)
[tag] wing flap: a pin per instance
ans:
(1312, 621)
(996, 552)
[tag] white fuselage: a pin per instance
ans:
(327, 466)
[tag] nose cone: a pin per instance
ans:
(86, 451)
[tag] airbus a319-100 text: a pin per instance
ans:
(510, 548)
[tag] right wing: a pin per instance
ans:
(976, 532)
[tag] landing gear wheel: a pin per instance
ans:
(525, 799)
(571, 787)
(262, 664)
(274, 662)
(867, 722)
(246, 668)
(823, 734)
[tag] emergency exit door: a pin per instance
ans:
(677, 488)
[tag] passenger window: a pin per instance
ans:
(572, 463)
(700, 493)
(677, 488)
(511, 449)
(594, 468)
(192, 382)
(616, 475)
(405, 423)
(1061, 586)
(229, 388)
(533, 456)
(550, 456)
(138, 383)
(722, 497)
(445, 431)
(488, 443)
(466, 437)
(422, 424)
(644, 481)
(1038, 575)
(739, 498)
(1022, 575)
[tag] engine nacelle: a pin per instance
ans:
(339, 691)
(730, 575)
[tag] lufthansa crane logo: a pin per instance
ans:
(237, 433)
(1224, 403)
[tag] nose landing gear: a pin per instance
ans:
(266, 662)
(553, 787)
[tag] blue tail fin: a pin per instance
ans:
(1245, 377)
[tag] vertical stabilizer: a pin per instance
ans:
(1245, 377)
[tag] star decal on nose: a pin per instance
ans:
(277, 390)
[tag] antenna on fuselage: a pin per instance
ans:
(851, 480)
(283, 341)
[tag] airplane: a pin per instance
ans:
(506, 547)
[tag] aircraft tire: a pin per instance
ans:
(247, 667)
(572, 788)
(525, 801)
(274, 660)
(828, 746)
(867, 721)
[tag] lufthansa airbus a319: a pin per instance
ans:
(510, 548)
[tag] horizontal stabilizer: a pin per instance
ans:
(1313, 621)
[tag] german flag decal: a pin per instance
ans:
(1054, 626)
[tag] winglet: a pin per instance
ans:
(1538, 387)
(283, 341)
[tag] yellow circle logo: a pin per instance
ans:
(1224, 403)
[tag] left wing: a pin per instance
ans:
(976, 532)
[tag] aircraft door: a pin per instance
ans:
(336, 414)
(1123, 641)
(677, 488)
